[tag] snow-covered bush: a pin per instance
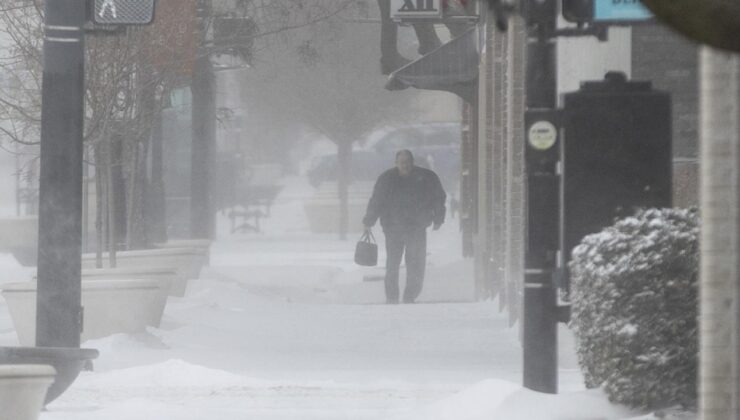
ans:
(634, 308)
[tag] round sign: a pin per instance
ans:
(542, 135)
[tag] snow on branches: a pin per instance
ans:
(634, 308)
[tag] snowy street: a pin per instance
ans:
(283, 325)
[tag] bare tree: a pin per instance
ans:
(235, 24)
(128, 77)
(327, 80)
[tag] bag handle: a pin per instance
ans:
(368, 236)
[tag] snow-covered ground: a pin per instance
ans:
(283, 325)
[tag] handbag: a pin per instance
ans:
(366, 251)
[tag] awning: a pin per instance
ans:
(453, 67)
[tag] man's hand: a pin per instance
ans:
(436, 226)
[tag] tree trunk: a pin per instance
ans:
(203, 120)
(156, 216)
(100, 215)
(112, 201)
(136, 233)
(343, 179)
(85, 200)
(115, 193)
(136, 237)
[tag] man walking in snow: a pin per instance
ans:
(407, 199)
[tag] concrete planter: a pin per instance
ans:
(19, 236)
(185, 243)
(322, 209)
(166, 277)
(67, 361)
(204, 244)
(187, 262)
(23, 390)
(111, 306)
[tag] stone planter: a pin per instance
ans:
(110, 307)
(166, 277)
(19, 236)
(187, 262)
(68, 362)
(185, 243)
(204, 244)
(23, 390)
(322, 209)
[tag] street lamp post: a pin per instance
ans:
(59, 310)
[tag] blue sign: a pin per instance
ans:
(620, 10)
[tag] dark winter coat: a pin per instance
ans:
(404, 203)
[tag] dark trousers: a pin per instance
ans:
(414, 243)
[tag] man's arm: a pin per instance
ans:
(374, 205)
(439, 198)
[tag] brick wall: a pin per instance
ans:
(670, 62)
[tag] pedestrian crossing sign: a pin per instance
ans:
(123, 12)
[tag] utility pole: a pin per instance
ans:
(58, 308)
(203, 122)
(543, 202)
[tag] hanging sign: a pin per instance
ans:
(416, 9)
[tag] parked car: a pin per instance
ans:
(434, 145)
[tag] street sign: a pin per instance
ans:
(620, 10)
(123, 12)
(416, 9)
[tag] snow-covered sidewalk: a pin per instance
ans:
(282, 325)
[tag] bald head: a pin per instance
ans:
(404, 161)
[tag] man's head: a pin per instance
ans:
(404, 161)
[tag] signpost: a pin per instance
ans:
(539, 320)
(59, 309)
(543, 165)
(59, 312)
(416, 9)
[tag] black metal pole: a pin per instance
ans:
(540, 320)
(59, 310)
